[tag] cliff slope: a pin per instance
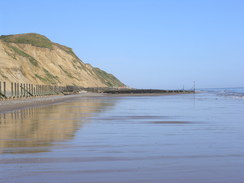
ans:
(33, 58)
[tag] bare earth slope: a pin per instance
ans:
(33, 58)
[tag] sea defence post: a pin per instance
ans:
(13, 90)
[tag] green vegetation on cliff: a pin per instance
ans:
(33, 61)
(35, 40)
(47, 68)
(30, 38)
(107, 79)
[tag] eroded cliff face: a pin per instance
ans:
(33, 58)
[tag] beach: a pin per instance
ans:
(112, 138)
(12, 104)
(20, 103)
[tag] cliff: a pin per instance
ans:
(33, 58)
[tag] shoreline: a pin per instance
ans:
(10, 105)
(145, 94)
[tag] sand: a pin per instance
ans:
(178, 138)
(16, 104)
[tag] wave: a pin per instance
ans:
(230, 92)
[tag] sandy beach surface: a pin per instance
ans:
(89, 138)
(20, 103)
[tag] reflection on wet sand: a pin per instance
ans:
(113, 118)
(170, 122)
(36, 129)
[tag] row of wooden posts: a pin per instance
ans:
(19, 90)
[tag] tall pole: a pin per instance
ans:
(194, 86)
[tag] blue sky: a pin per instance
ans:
(145, 43)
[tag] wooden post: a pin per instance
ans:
(21, 90)
(0, 87)
(39, 90)
(34, 90)
(27, 90)
(17, 90)
(24, 90)
(30, 90)
(4, 88)
(12, 92)
(16, 95)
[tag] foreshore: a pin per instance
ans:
(16, 104)
(20, 103)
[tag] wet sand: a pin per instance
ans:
(21, 103)
(123, 139)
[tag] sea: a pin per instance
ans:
(237, 92)
(185, 138)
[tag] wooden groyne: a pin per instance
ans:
(146, 91)
(11, 90)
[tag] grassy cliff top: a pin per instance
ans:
(35, 40)
(29, 38)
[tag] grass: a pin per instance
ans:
(33, 61)
(66, 72)
(30, 38)
(78, 64)
(35, 40)
(50, 77)
(41, 78)
(107, 79)
(67, 50)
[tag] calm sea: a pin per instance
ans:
(191, 138)
(231, 92)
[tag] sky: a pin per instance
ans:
(160, 44)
